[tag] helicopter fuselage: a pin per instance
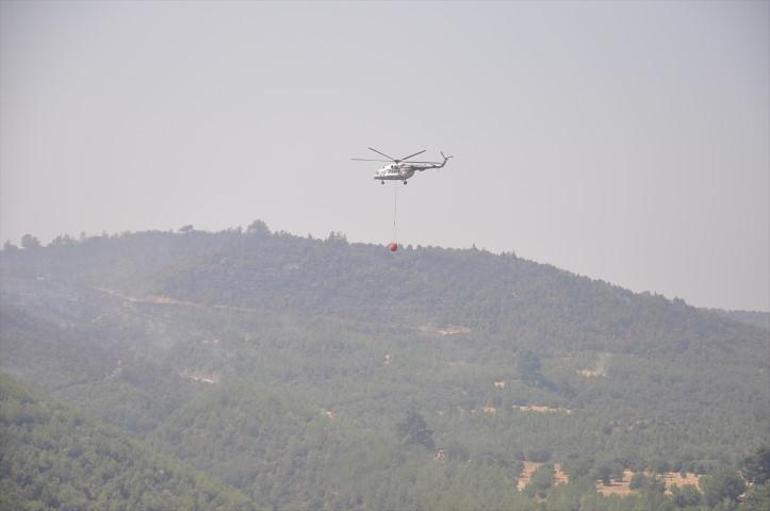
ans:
(394, 172)
(403, 171)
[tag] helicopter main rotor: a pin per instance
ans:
(391, 159)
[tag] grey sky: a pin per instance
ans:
(624, 141)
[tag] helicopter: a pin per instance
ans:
(399, 169)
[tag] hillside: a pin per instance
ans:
(298, 370)
(53, 457)
(754, 318)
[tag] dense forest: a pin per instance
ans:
(264, 370)
(54, 457)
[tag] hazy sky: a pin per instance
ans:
(624, 141)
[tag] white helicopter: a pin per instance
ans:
(399, 169)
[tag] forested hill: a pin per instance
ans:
(319, 374)
(755, 318)
(499, 296)
(53, 457)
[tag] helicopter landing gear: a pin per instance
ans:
(404, 182)
(383, 182)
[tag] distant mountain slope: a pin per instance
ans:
(283, 365)
(501, 296)
(55, 458)
(754, 318)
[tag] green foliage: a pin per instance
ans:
(722, 487)
(757, 498)
(258, 228)
(686, 496)
(638, 481)
(756, 468)
(528, 367)
(603, 473)
(312, 374)
(541, 480)
(29, 242)
(414, 430)
(55, 458)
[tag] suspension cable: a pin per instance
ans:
(395, 211)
